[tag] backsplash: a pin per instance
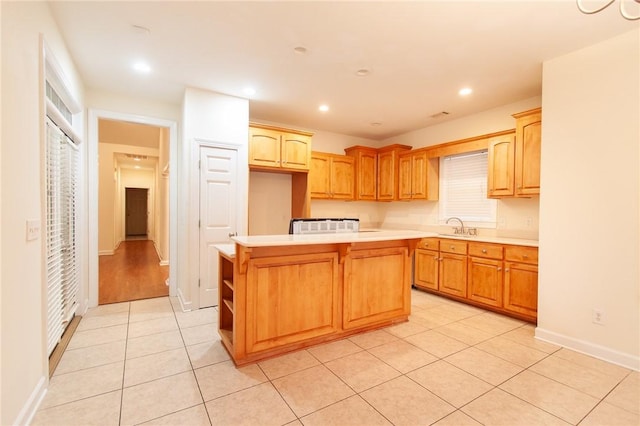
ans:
(516, 217)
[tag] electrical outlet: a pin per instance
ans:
(529, 223)
(598, 316)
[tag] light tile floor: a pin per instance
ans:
(146, 362)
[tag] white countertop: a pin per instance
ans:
(340, 237)
(368, 235)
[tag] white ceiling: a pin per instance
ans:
(420, 54)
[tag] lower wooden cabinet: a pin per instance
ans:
(521, 280)
(371, 292)
(500, 277)
(291, 299)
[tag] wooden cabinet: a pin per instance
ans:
(417, 176)
(427, 263)
(371, 290)
(521, 280)
(291, 299)
(514, 160)
(388, 161)
(273, 148)
(453, 267)
(500, 277)
(484, 280)
(226, 309)
(527, 156)
(331, 176)
(501, 156)
(366, 167)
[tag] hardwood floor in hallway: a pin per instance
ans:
(133, 272)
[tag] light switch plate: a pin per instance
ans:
(33, 230)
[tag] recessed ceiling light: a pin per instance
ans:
(465, 91)
(363, 72)
(249, 91)
(300, 49)
(140, 29)
(142, 67)
(136, 167)
(323, 108)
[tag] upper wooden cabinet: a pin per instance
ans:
(331, 176)
(528, 138)
(277, 149)
(501, 157)
(366, 166)
(388, 178)
(417, 176)
(514, 161)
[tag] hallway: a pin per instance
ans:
(133, 272)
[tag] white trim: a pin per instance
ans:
(92, 124)
(106, 252)
(29, 409)
(588, 348)
(194, 208)
(184, 305)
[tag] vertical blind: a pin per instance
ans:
(463, 188)
(62, 159)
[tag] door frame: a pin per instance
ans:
(194, 208)
(92, 198)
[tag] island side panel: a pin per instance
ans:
(291, 299)
(377, 285)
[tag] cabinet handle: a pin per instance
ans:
(525, 256)
(453, 248)
(506, 270)
(484, 250)
(499, 269)
(440, 259)
(435, 258)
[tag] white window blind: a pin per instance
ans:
(61, 239)
(463, 189)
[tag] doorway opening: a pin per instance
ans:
(133, 211)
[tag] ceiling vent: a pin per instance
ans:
(439, 114)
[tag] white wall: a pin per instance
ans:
(207, 117)
(24, 359)
(589, 209)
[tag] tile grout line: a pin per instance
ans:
(124, 364)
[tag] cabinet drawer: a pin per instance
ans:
(491, 251)
(453, 246)
(429, 244)
(521, 254)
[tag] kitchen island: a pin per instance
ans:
(279, 293)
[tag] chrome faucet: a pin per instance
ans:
(457, 230)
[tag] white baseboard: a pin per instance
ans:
(186, 306)
(591, 349)
(106, 252)
(31, 406)
(164, 263)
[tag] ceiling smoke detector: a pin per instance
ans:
(439, 114)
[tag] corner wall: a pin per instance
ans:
(24, 357)
(589, 209)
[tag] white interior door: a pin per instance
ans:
(218, 211)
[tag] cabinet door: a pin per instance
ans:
(419, 175)
(521, 288)
(366, 180)
(264, 147)
(342, 183)
(426, 269)
(404, 177)
(485, 281)
(387, 179)
(296, 150)
(291, 299)
(453, 274)
(320, 176)
(501, 166)
(377, 286)
(527, 169)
